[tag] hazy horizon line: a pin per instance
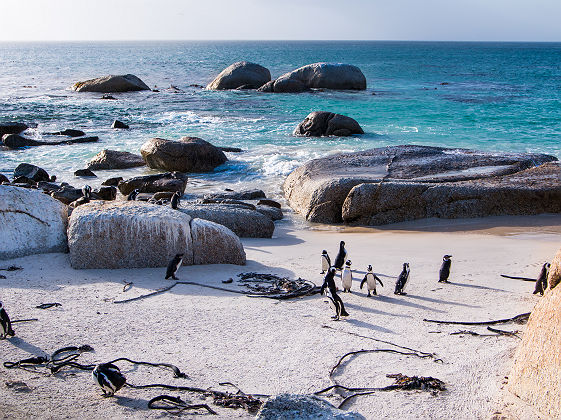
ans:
(276, 40)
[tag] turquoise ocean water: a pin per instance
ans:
(488, 96)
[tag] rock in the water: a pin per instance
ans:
(114, 159)
(319, 76)
(85, 173)
(107, 84)
(167, 181)
(68, 132)
(241, 74)
(302, 407)
(230, 149)
(119, 124)
(244, 222)
(554, 276)
(15, 141)
(12, 128)
(32, 172)
(215, 244)
(112, 181)
(189, 154)
(268, 202)
(535, 377)
(400, 183)
(3, 178)
(106, 193)
(253, 194)
(32, 223)
(321, 123)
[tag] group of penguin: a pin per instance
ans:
(370, 279)
(174, 202)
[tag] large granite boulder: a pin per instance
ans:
(535, 377)
(168, 181)
(114, 159)
(554, 276)
(31, 223)
(215, 244)
(241, 74)
(244, 222)
(303, 407)
(319, 76)
(321, 123)
(400, 183)
(111, 83)
(12, 128)
(30, 171)
(189, 154)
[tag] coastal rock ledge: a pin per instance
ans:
(111, 83)
(401, 183)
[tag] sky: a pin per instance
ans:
(429, 20)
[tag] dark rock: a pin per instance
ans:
(399, 183)
(287, 85)
(272, 212)
(227, 201)
(85, 173)
(163, 195)
(114, 159)
(108, 97)
(267, 87)
(106, 193)
(23, 181)
(321, 123)
(112, 181)
(67, 194)
(3, 178)
(68, 132)
(15, 141)
(108, 84)
(119, 124)
(189, 154)
(12, 128)
(48, 186)
(270, 203)
(168, 181)
(243, 73)
(31, 171)
(231, 149)
(195, 85)
(254, 194)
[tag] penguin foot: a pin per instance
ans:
(369, 295)
(175, 278)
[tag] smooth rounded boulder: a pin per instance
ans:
(189, 154)
(168, 181)
(30, 171)
(111, 83)
(215, 244)
(115, 159)
(241, 74)
(320, 123)
(31, 223)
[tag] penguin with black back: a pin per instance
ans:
(5, 324)
(329, 283)
(445, 269)
(341, 256)
(133, 194)
(541, 282)
(175, 200)
(347, 277)
(173, 266)
(109, 378)
(370, 279)
(402, 280)
(86, 196)
(325, 261)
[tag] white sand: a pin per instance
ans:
(266, 346)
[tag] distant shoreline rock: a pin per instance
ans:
(115, 159)
(321, 123)
(241, 75)
(111, 84)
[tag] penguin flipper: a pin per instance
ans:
(362, 282)
(379, 281)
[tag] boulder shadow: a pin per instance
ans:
(403, 302)
(374, 311)
(368, 326)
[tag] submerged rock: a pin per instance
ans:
(109, 84)
(400, 183)
(321, 123)
(302, 407)
(15, 141)
(189, 154)
(112, 181)
(12, 128)
(114, 159)
(241, 74)
(32, 172)
(119, 124)
(32, 223)
(68, 132)
(85, 173)
(168, 181)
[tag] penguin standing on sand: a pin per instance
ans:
(133, 194)
(325, 261)
(175, 200)
(173, 266)
(541, 282)
(402, 280)
(445, 269)
(329, 282)
(109, 378)
(341, 256)
(5, 324)
(347, 277)
(370, 279)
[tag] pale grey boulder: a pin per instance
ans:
(115, 159)
(168, 181)
(241, 74)
(189, 154)
(31, 223)
(303, 407)
(321, 123)
(111, 83)
(215, 244)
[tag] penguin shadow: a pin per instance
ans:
(373, 311)
(474, 286)
(404, 302)
(378, 274)
(441, 301)
(134, 403)
(368, 326)
(25, 346)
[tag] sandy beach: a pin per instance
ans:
(265, 346)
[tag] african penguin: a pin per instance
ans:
(133, 194)
(541, 282)
(335, 300)
(402, 280)
(325, 261)
(173, 266)
(5, 324)
(87, 192)
(347, 277)
(445, 269)
(341, 256)
(109, 378)
(370, 280)
(175, 200)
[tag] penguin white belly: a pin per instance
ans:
(347, 279)
(324, 264)
(370, 282)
